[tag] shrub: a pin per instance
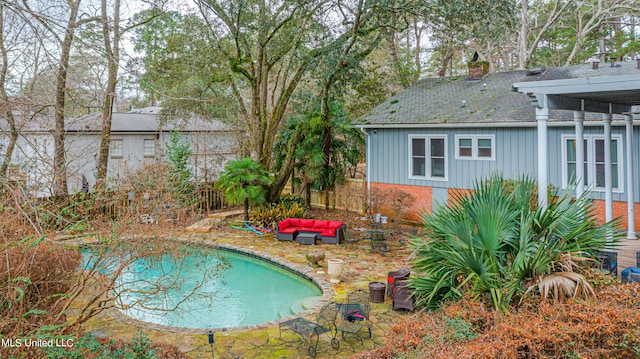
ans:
(495, 244)
(89, 346)
(33, 275)
(269, 215)
(607, 328)
(395, 203)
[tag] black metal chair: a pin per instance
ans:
(354, 316)
(378, 241)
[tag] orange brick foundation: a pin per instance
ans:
(423, 196)
(619, 210)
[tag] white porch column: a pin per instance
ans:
(542, 117)
(608, 197)
(631, 228)
(578, 117)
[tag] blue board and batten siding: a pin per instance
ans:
(515, 155)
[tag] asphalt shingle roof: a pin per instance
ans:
(452, 100)
(440, 100)
(141, 120)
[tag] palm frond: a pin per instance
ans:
(561, 285)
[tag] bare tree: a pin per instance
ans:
(112, 33)
(6, 103)
(591, 16)
(65, 42)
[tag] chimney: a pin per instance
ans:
(594, 65)
(477, 69)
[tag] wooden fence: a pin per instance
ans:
(350, 196)
(59, 212)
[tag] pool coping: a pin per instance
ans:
(327, 292)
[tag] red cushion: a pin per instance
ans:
(284, 224)
(390, 280)
(295, 222)
(335, 224)
(328, 233)
(289, 230)
(321, 224)
(307, 223)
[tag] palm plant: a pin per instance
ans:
(244, 181)
(496, 243)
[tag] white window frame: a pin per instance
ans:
(427, 149)
(153, 148)
(474, 147)
(113, 147)
(590, 140)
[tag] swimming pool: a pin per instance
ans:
(211, 288)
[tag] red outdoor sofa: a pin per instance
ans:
(331, 232)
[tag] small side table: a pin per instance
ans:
(306, 238)
(376, 292)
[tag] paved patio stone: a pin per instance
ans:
(360, 268)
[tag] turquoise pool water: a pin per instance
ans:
(188, 291)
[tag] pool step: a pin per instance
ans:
(310, 302)
(297, 306)
(285, 312)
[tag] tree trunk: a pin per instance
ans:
(523, 35)
(59, 159)
(442, 72)
(113, 57)
(418, 50)
(307, 194)
(246, 209)
(6, 104)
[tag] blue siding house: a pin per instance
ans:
(442, 134)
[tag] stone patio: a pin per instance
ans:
(360, 268)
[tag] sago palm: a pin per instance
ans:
(495, 243)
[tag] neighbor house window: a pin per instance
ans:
(149, 148)
(475, 147)
(116, 148)
(593, 161)
(428, 157)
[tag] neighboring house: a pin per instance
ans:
(138, 138)
(443, 134)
